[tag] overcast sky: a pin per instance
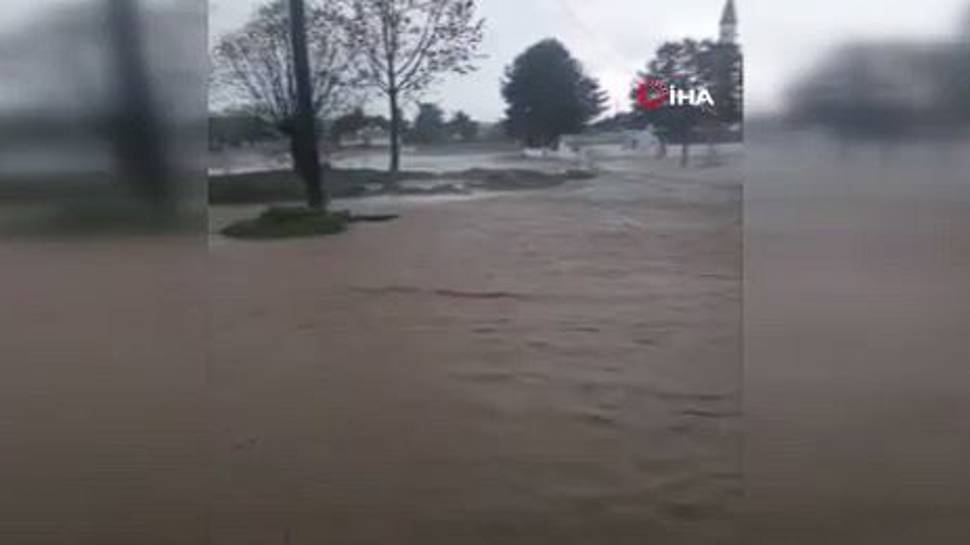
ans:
(615, 38)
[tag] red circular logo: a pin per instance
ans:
(653, 93)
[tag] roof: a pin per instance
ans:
(729, 16)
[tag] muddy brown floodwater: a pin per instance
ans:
(856, 348)
(559, 366)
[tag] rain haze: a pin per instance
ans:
(614, 39)
(277, 319)
(514, 325)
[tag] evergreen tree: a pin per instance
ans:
(462, 126)
(429, 125)
(549, 95)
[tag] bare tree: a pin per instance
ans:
(254, 67)
(407, 44)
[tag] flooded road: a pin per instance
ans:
(559, 366)
(856, 350)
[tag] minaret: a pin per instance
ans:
(729, 24)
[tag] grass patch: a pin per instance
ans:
(517, 178)
(285, 185)
(282, 185)
(289, 222)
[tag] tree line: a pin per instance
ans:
(398, 49)
(394, 48)
(431, 125)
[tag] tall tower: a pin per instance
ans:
(729, 24)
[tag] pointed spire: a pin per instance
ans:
(729, 16)
(729, 24)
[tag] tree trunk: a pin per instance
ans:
(137, 135)
(395, 133)
(306, 156)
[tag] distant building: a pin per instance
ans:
(727, 126)
(628, 132)
(729, 24)
(370, 136)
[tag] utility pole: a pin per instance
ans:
(305, 138)
(137, 134)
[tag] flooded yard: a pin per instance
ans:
(557, 366)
